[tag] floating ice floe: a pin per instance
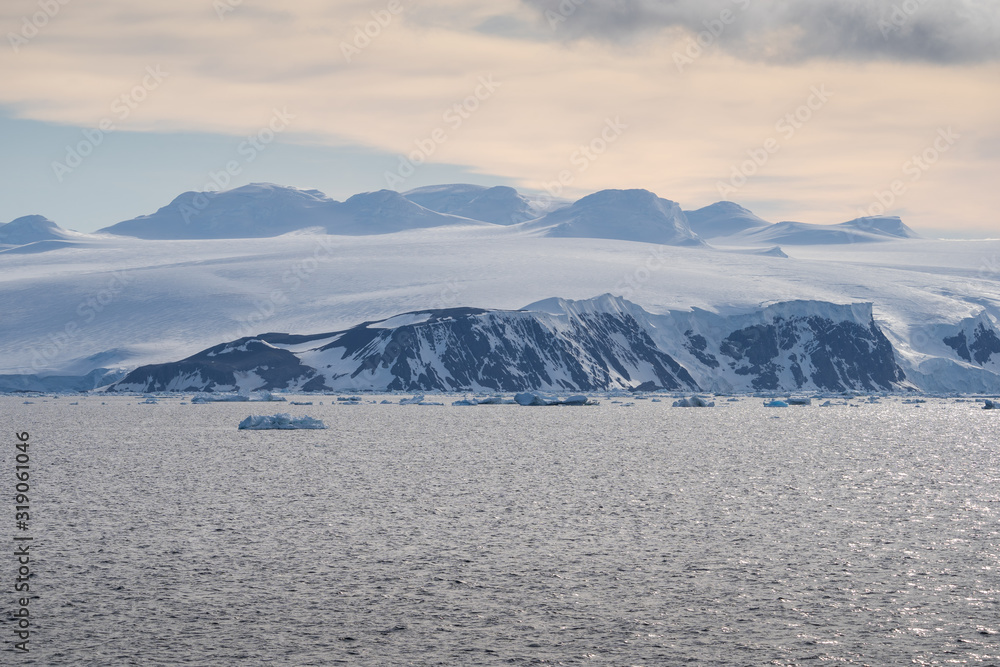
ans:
(776, 403)
(419, 399)
(218, 398)
(991, 405)
(694, 402)
(281, 421)
(262, 396)
(484, 400)
(530, 398)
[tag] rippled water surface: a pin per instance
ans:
(424, 535)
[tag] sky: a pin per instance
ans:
(813, 110)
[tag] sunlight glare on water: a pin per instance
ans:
(425, 535)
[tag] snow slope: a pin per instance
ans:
(629, 215)
(860, 230)
(723, 218)
(500, 205)
(32, 229)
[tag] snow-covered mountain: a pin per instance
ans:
(75, 303)
(723, 218)
(32, 229)
(558, 345)
(500, 205)
(796, 345)
(860, 230)
(262, 210)
(966, 355)
(626, 215)
(977, 341)
(265, 210)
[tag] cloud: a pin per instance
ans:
(686, 129)
(788, 31)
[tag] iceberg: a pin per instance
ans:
(531, 398)
(197, 399)
(281, 421)
(575, 400)
(991, 405)
(694, 402)
(776, 403)
(416, 400)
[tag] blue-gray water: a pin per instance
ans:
(421, 535)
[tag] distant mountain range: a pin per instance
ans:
(707, 293)
(263, 210)
(630, 215)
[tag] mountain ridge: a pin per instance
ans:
(598, 344)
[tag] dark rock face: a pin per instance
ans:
(842, 355)
(984, 344)
(512, 351)
(596, 345)
(220, 367)
(451, 350)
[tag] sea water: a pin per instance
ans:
(861, 533)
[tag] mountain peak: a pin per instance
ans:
(723, 218)
(886, 225)
(500, 204)
(30, 229)
(627, 215)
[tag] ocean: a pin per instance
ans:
(629, 533)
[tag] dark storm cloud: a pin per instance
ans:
(937, 31)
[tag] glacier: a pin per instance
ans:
(82, 310)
